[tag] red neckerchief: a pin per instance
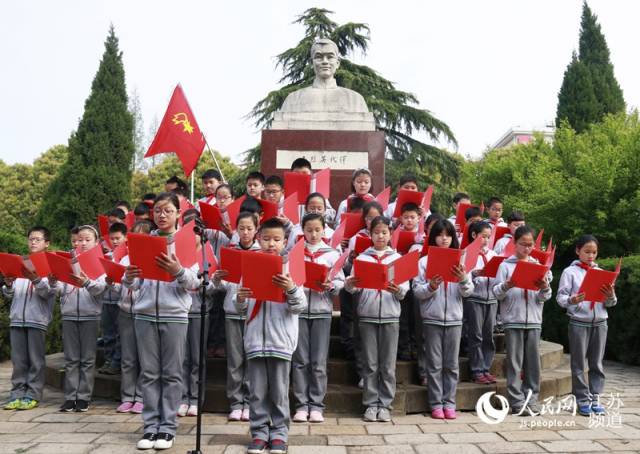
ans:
(212, 196)
(301, 235)
(584, 266)
(313, 255)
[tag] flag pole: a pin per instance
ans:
(214, 157)
(192, 185)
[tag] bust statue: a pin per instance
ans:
(324, 105)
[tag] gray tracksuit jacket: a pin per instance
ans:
(81, 303)
(320, 304)
(31, 303)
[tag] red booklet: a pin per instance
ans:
(428, 195)
(441, 261)
(60, 267)
(526, 274)
(103, 226)
(338, 235)
(491, 268)
(315, 273)
(372, 275)
(353, 223)
(231, 262)
(404, 268)
(362, 243)
(269, 209)
(497, 232)
(425, 248)
(383, 198)
(89, 262)
(258, 270)
(471, 254)
(539, 240)
(544, 257)
(402, 240)
(120, 252)
(405, 196)
(211, 215)
(295, 263)
(114, 271)
(130, 220)
(462, 208)
(337, 266)
(143, 250)
(290, 209)
(185, 243)
(232, 211)
(509, 249)
(321, 182)
(40, 264)
(594, 280)
(11, 265)
(297, 182)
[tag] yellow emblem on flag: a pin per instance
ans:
(181, 118)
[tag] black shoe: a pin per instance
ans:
(147, 441)
(68, 405)
(163, 441)
(82, 405)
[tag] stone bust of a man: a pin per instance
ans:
(324, 105)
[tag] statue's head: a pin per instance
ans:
(325, 58)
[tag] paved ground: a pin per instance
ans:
(102, 430)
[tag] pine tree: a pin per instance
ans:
(98, 169)
(589, 90)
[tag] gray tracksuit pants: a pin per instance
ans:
(309, 363)
(131, 378)
(379, 343)
(420, 345)
(442, 345)
(161, 348)
(269, 398)
(480, 319)
(522, 354)
(79, 344)
(27, 356)
(586, 345)
(190, 365)
(237, 376)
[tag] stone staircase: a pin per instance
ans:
(343, 395)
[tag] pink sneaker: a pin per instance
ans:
(301, 416)
(490, 378)
(182, 410)
(125, 407)
(235, 415)
(245, 414)
(437, 413)
(450, 413)
(316, 416)
(137, 408)
(193, 410)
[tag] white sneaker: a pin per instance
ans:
(182, 410)
(361, 383)
(235, 415)
(245, 414)
(384, 415)
(301, 416)
(193, 410)
(147, 441)
(164, 441)
(316, 416)
(371, 414)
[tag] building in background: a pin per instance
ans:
(519, 134)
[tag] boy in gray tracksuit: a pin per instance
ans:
(110, 333)
(521, 312)
(587, 335)
(441, 312)
(379, 324)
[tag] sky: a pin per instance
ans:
(481, 67)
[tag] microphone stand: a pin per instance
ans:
(199, 229)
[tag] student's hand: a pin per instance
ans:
(9, 281)
(344, 243)
(352, 282)
(393, 288)
(282, 218)
(608, 290)
(283, 281)
(576, 299)
(352, 255)
(29, 274)
(53, 281)
(458, 271)
(542, 284)
(227, 230)
(219, 275)
(132, 272)
(170, 264)
(79, 279)
(243, 294)
(326, 285)
(508, 285)
(435, 282)
(108, 280)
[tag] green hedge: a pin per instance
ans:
(623, 340)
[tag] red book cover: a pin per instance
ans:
(406, 196)
(441, 261)
(471, 254)
(353, 223)
(231, 262)
(338, 235)
(541, 256)
(114, 271)
(11, 265)
(460, 219)
(383, 198)
(120, 252)
(402, 240)
(258, 270)
(290, 209)
(269, 210)
(362, 244)
(186, 248)
(425, 248)
(428, 195)
(89, 262)
(295, 263)
(526, 274)
(65, 254)
(143, 250)
(60, 267)
(315, 273)
(321, 182)
(337, 266)
(297, 182)
(491, 268)
(211, 259)
(40, 263)
(211, 215)
(594, 280)
(497, 232)
(404, 268)
(372, 275)
(103, 226)
(233, 210)
(129, 221)
(539, 239)
(509, 249)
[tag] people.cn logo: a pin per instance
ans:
(488, 413)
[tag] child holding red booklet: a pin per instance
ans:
(441, 311)
(161, 322)
(237, 378)
(309, 362)
(361, 187)
(480, 309)
(315, 203)
(521, 312)
(587, 327)
(30, 314)
(379, 316)
(271, 337)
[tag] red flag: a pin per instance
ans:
(179, 133)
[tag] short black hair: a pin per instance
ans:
(274, 179)
(583, 240)
(122, 203)
(515, 216)
(255, 176)
(472, 212)
(117, 213)
(476, 227)
(301, 163)
(74, 230)
(118, 227)
(144, 226)
(313, 217)
(522, 231)
(174, 179)
(493, 200)
(444, 226)
(433, 217)
(368, 206)
(273, 223)
(357, 203)
(39, 228)
(247, 215)
(149, 196)
(227, 186)
(251, 205)
(211, 173)
(410, 206)
(189, 215)
(180, 191)
(459, 196)
(380, 220)
(141, 209)
(314, 195)
(408, 178)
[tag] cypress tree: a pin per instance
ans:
(98, 169)
(577, 102)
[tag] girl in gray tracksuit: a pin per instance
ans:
(309, 363)
(521, 312)
(587, 327)
(441, 311)
(379, 322)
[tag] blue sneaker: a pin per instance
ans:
(597, 409)
(584, 410)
